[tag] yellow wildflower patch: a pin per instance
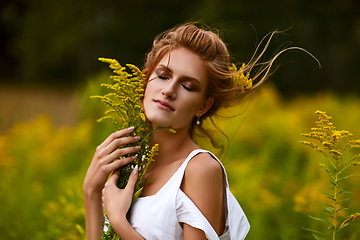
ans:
(238, 78)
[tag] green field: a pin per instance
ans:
(276, 179)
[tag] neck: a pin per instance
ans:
(172, 146)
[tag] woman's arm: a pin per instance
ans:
(102, 164)
(203, 184)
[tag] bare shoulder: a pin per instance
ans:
(203, 166)
(203, 177)
(203, 183)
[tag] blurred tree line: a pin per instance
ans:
(57, 43)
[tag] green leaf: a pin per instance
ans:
(321, 220)
(347, 199)
(136, 195)
(326, 204)
(316, 232)
(331, 198)
(333, 183)
(328, 195)
(317, 237)
(343, 226)
(342, 209)
(328, 214)
(330, 209)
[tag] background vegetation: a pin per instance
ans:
(57, 42)
(276, 179)
(49, 69)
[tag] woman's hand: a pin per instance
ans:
(100, 168)
(104, 163)
(116, 201)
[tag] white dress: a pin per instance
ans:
(158, 217)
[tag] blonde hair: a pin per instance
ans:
(209, 47)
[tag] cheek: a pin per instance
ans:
(148, 95)
(147, 91)
(145, 100)
(190, 107)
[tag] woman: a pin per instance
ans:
(188, 80)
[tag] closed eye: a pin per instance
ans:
(187, 88)
(161, 76)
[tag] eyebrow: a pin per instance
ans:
(166, 68)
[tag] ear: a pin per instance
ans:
(206, 105)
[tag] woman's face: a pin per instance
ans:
(175, 92)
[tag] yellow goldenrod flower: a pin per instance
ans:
(238, 78)
(335, 152)
(333, 145)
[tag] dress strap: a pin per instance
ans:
(188, 158)
(180, 172)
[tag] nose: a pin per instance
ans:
(169, 90)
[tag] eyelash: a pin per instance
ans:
(161, 76)
(166, 78)
(187, 88)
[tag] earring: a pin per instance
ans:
(198, 120)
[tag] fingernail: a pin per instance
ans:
(137, 138)
(131, 128)
(135, 170)
(133, 157)
(137, 147)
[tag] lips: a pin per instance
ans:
(163, 105)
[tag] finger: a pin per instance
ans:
(123, 152)
(103, 202)
(121, 162)
(118, 154)
(117, 142)
(115, 135)
(113, 178)
(107, 168)
(132, 179)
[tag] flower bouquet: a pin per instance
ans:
(124, 100)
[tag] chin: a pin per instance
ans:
(157, 121)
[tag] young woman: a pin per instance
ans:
(188, 80)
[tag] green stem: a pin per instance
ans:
(335, 197)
